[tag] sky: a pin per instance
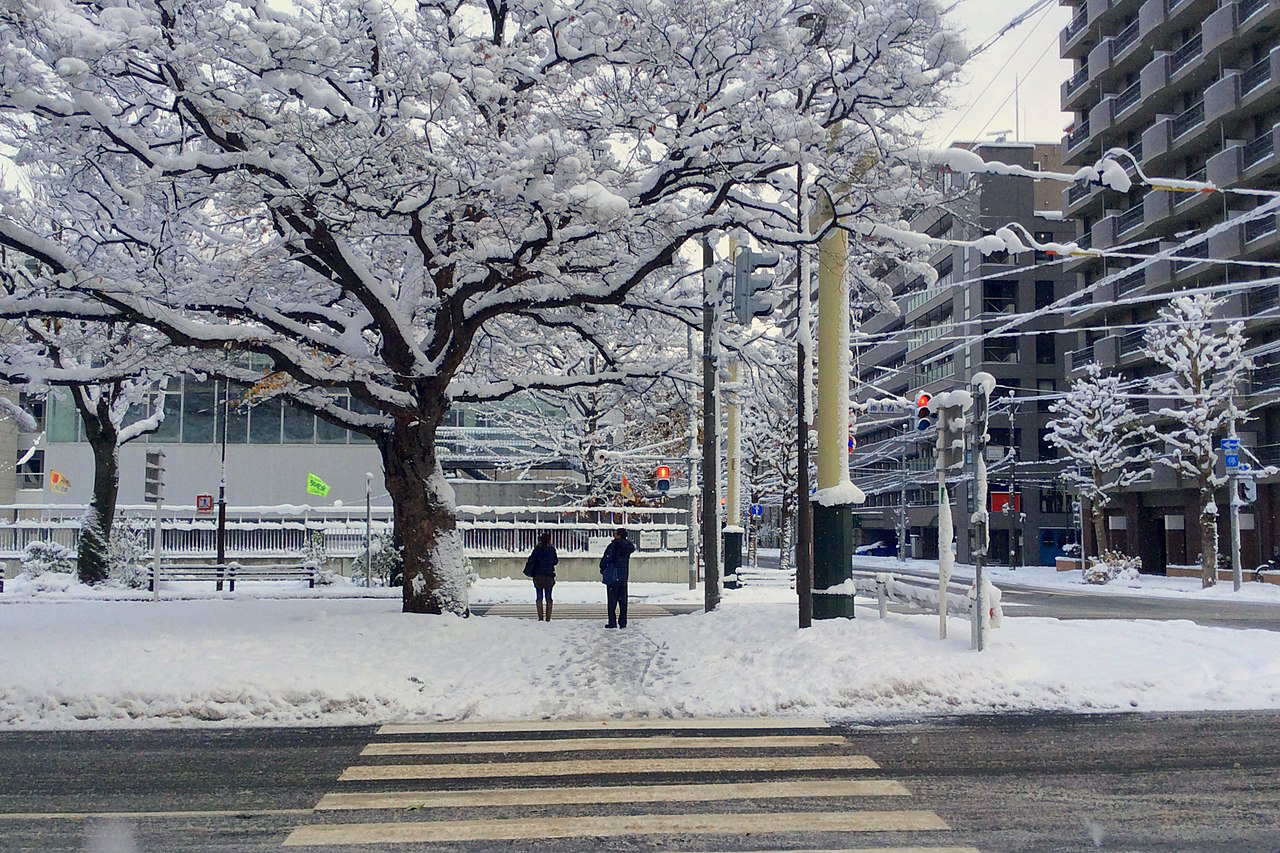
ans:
(985, 102)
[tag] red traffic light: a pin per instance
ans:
(664, 472)
(923, 400)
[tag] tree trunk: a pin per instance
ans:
(1208, 538)
(785, 557)
(423, 515)
(1099, 531)
(92, 564)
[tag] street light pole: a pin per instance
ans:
(368, 529)
(804, 511)
(693, 467)
(710, 438)
(222, 485)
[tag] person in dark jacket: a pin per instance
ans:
(615, 566)
(541, 566)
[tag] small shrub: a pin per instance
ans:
(384, 562)
(41, 557)
(127, 553)
(1111, 566)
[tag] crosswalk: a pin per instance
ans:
(680, 785)
(592, 611)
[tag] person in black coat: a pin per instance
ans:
(615, 566)
(541, 566)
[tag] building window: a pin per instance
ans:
(299, 425)
(33, 404)
(30, 470)
(199, 403)
(1045, 389)
(1044, 294)
(1044, 449)
(1000, 350)
(1046, 348)
(264, 422)
(999, 297)
(1053, 499)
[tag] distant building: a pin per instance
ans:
(1192, 89)
(933, 345)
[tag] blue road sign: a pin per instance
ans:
(1233, 460)
(757, 509)
(1230, 444)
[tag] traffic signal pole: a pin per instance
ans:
(710, 438)
(804, 515)
(733, 529)
(1233, 510)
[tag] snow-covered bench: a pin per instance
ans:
(232, 572)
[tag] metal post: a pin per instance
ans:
(222, 485)
(1233, 484)
(980, 534)
(693, 467)
(710, 440)
(368, 529)
(156, 546)
(733, 486)
(944, 525)
(804, 519)
(1012, 509)
(902, 498)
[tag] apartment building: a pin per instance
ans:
(934, 343)
(1192, 89)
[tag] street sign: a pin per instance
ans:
(1245, 467)
(59, 483)
(1230, 444)
(316, 486)
(204, 504)
(677, 540)
(1232, 460)
(650, 540)
(1249, 491)
(757, 509)
(153, 478)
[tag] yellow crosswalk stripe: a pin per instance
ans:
(613, 794)
(600, 744)
(601, 826)
(753, 763)
(534, 726)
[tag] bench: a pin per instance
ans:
(231, 572)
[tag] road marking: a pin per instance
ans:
(862, 850)
(600, 826)
(590, 767)
(613, 725)
(151, 815)
(613, 794)
(600, 744)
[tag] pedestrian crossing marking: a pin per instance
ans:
(535, 726)
(599, 744)
(602, 826)
(612, 794)
(588, 767)
(860, 850)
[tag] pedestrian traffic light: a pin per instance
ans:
(750, 288)
(951, 426)
(153, 483)
(664, 478)
(924, 416)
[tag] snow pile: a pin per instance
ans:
(336, 662)
(1112, 565)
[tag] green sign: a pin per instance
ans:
(316, 486)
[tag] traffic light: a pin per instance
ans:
(664, 478)
(750, 287)
(950, 437)
(153, 484)
(924, 416)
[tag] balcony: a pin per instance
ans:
(1072, 36)
(1255, 77)
(1187, 121)
(1191, 255)
(1131, 342)
(1180, 199)
(1219, 28)
(1265, 379)
(1183, 56)
(1128, 98)
(1079, 192)
(1131, 282)
(1258, 150)
(1079, 136)
(1079, 358)
(1264, 299)
(1130, 219)
(1249, 8)
(1256, 229)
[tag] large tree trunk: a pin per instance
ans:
(1096, 510)
(1208, 537)
(92, 564)
(785, 558)
(423, 515)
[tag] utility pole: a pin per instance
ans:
(832, 523)
(222, 485)
(902, 497)
(948, 420)
(980, 390)
(368, 529)
(710, 438)
(693, 466)
(804, 512)
(1233, 484)
(1014, 511)
(732, 532)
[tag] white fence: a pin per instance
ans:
(285, 530)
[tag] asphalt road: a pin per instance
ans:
(1056, 783)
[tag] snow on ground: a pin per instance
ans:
(1049, 578)
(309, 661)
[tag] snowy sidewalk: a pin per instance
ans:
(78, 663)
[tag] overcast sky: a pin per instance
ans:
(1031, 54)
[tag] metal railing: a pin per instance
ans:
(1264, 379)
(1187, 120)
(1258, 149)
(1192, 254)
(1131, 218)
(1199, 175)
(1249, 8)
(1079, 135)
(1079, 191)
(1184, 54)
(1131, 342)
(1081, 356)
(1078, 79)
(1129, 97)
(1256, 229)
(1255, 76)
(1126, 37)
(1078, 23)
(932, 333)
(1264, 299)
(1132, 281)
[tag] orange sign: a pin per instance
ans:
(59, 483)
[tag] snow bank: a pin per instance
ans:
(86, 664)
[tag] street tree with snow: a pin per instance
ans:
(403, 206)
(1102, 435)
(1207, 368)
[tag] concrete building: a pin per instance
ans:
(1192, 89)
(933, 345)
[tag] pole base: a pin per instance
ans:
(732, 559)
(832, 560)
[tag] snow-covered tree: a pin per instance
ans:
(769, 441)
(1101, 434)
(112, 373)
(1206, 365)
(408, 205)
